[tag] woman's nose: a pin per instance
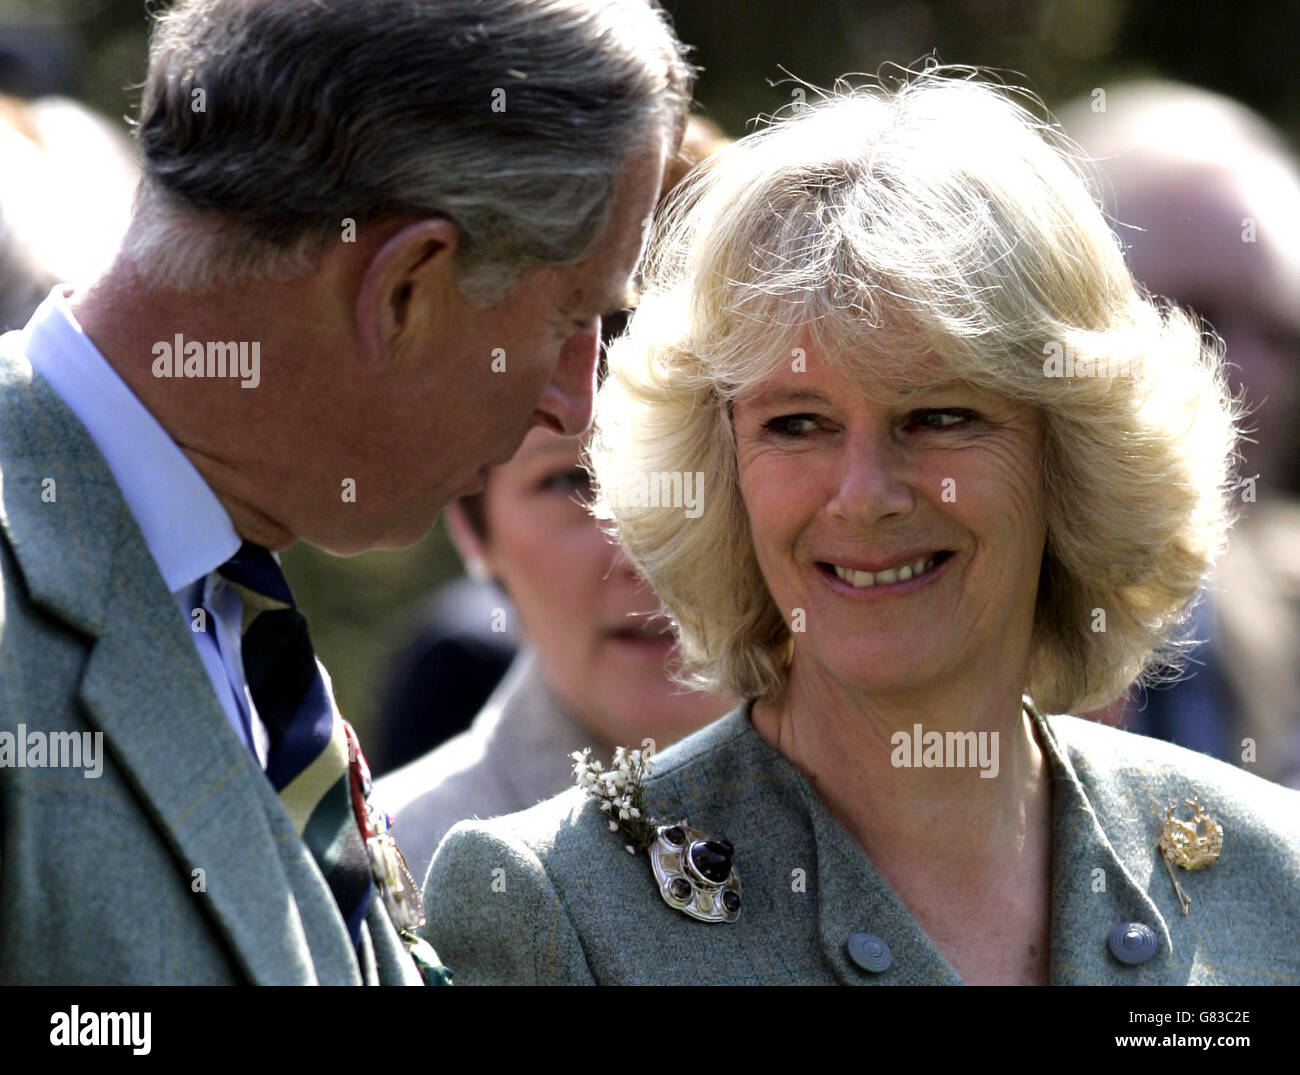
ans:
(873, 480)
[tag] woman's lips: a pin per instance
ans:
(888, 583)
(657, 642)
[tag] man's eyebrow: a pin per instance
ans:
(624, 298)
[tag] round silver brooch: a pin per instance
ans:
(696, 874)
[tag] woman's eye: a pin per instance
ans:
(568, 482)
(939, 419)
(790, 425)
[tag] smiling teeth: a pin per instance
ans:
(863, 579)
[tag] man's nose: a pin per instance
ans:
(872, 482)
(568, 400)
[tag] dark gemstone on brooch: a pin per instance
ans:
(712, 859)
(674, 835)
(731, 901)
(679, 888)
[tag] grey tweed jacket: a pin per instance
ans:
(550, 896)
(177, 864)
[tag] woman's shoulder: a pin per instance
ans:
(1128, 776)
(559, 882)
(569, 823)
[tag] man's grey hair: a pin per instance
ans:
(266, 126)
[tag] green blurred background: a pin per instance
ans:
(358, 607)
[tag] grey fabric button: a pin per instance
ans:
(869, 952)
(1132, 942)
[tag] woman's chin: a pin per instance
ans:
(886, 669)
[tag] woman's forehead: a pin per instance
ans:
(819, 373)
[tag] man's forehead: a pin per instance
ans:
(605, 282)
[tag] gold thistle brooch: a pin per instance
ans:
(1192, 844)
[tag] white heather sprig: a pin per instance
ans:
(619, 791)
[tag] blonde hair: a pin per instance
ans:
(945, 208)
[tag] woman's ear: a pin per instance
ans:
(410, 279)
(471, 548)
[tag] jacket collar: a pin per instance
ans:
(529, 733)
(1093, 889)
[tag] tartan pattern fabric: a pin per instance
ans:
(308, 761)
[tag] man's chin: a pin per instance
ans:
(396, 534)
(473, 487)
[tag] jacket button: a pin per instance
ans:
(869, 952)
(1132, 942)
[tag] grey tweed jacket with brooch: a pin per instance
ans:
(550, 896)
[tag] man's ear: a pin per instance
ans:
(468, 544)
(407, 281)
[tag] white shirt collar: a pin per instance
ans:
(188, 531)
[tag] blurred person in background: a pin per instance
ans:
(456, 652)
(65, 199)
(596, 664)
(1205, 197)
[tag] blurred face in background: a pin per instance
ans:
(1205, 197)
(1191, 248)
(583, 608)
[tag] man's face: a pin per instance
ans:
(463, 399)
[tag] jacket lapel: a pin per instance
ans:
(144, 686)
(1093, 889)
(203, 788)
(1092, 892)
(848, 892)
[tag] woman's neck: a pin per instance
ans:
(969, 856)
(955, 771)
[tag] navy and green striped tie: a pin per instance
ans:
(308, 763)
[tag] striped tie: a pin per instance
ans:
(308, 764)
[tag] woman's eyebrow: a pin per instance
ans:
(788, 395)
(903, 393)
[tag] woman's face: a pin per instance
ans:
(584, 609)
(909, 531)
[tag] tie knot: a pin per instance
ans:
(254, 568)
